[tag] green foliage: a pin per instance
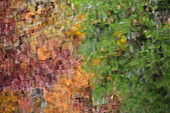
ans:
(99, 96)
(138, 68)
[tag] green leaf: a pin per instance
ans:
(98, 95)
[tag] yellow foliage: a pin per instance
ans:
(8, 101)
(121, 40)
(94, 22)
(118, 6)
(76, 35)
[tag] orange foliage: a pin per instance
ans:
(43, 53)
(62, 97)
(96, 62)
(102, 49)
(49, 38)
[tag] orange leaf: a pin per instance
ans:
(96, 62)
(43, 53)
(102, 49)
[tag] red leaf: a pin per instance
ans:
(24, 103)
(21, 77)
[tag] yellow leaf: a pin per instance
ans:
(121, 42)
(118, 6)
(93, 22)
